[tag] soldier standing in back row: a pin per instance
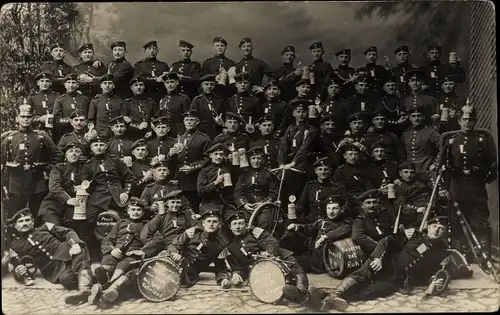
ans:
(89, 72)
(188, 71)
(151, 69)
(43, 102)
(256, 68)
(173, 104)
(219, 65)
(287, 75)
(399, 71)
(57, 67)
(121, 69)
(138, 109)
(375, 72)
(320, 71)
(345, 73)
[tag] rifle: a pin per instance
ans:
(431, 201)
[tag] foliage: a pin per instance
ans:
(27, 31)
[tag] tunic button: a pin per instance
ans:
(51, 257)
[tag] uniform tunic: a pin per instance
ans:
(213, 65)
(286, 81)
(394, 147)
(208, 107)
(139, 169)
(369, 229)
(247, 105)
(435, 71)
(255, 67)
(64, 106)
(422, 99)
(411, 196)
(393, 106)
(238, 140)
(353, 178)
(150, 69)
(139, 109)
(120, 147)
(380, 172)
(421, 145)
(175, 104)
(399, 71)
(337, 107)
(102, 109)
(344, 73)
(217, 195)
(159, 146)
(377, 75)
(450, 101)
(295, 145)
(43, 104)
(270, 146)
(76, 137)
(123, 72)
(191, 71)
(360, 103)
(282, 117)
(58, 69)
(157, 190)
(323, 71)
(90, 90)
(49, 246)
(312, 203)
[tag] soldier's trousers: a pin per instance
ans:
(69, 277)
(121, 264)
(17, 202)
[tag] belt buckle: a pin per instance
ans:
(26, 167)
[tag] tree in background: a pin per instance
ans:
(27, 31)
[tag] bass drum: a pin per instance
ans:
(105, 222)
(267, 279)
(159, 279)
(342, 257)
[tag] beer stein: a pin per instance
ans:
(161, 206)
(127, 160)
(49, 121)
(292, 215)
(391, 192)
(79, 212)
(444, 114)
(313, 111)
(305, 73)
(311, 77)
(243, 157)
(227, 180)
(453, 57)
(235, 158)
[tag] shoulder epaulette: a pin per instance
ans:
(60, 96)
(97, 95)
(7, 133)
(184, 95)
(61, 164)
(127, 99)
(150, 185)
(257, 232)
(203, 134)
(89, 160)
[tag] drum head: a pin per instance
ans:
(267, 280)
(105, 222)
(159, 280)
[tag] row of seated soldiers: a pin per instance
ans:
(320, 72)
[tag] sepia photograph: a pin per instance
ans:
(249, 157)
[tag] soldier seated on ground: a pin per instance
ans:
(373, 223)
(171, 220)
(397, 262)
(336, 226)
(61, 256)
(120, 248)
(247, 243)
(200, 247)
(256, 186)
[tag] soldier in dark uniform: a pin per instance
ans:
(107, 175)
(321, 70)
(421, 142)
(119, 248)
(210, 108)
(397, 262)
(418, 97)
(297, 142)
(244, 103)
(334, 104)
(373, 223)
(121, 69)
(160, 145)
(57, 207)
(390, 102)
(274, 106)
(344, 73)
(161, 186)
(138, 109)
(66, 104)
(329, 138)
(287, 75)
(188, 71)
(256, 68)
(435, 70)
(78, 121)
(43, 102)
(26, 154)
(363, 100)
(173, 104)
(313, 198)
(140, 167)
(255, 186)
(89, 72)
(234, 138)
(119, 146)
(333, 226)
(375, 72)
(268, 142)
(303, 88)
(152, 69)
(104, 107)
(177, 217)
(381, 171)
(449, 105)
(191, 158)
(219, 66)
(357, 135)
(471, 161)
(57, 67)
(412, 195)
(399, 71)
(211, 188)
(350, 175)
(257, 241)
(58, 252)
(200, 248)
(394, 147)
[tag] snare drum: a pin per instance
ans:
(104, 223)
(342, 257)
(267, 279)
(159, 279)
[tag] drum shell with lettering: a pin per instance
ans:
(167, 274)
(345, 254)
(267, 279)
(105, 222)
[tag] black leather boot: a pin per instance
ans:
(335, 300)
(298, 294)
(111, 294)
(84, 286)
